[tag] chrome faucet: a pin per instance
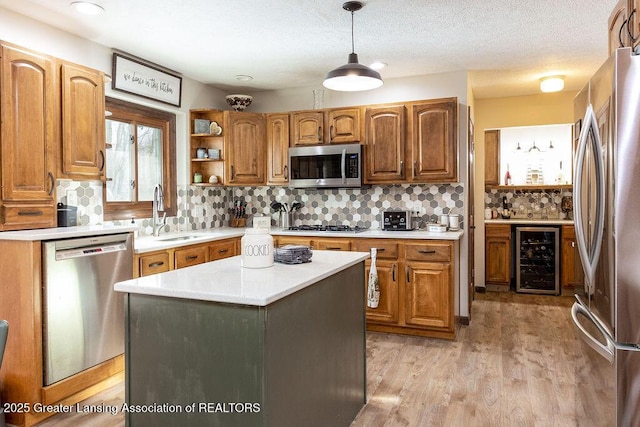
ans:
(158, 206)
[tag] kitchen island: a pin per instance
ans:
(218, 344)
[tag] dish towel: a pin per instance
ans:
(373, 289)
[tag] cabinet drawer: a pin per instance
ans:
(152, 264)
(387, 249)
(428, 251)
(191, 256)
(220, 250)
(20, 217)
(292, 240)
(498, 230)
(332, 245)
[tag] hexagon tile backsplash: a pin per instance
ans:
(211, 207)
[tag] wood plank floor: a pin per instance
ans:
(513, 366)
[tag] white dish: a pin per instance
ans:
(437, 228)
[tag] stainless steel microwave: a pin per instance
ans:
(325, 166)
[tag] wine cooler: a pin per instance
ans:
(537, 260)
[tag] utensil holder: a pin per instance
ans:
(286, 219)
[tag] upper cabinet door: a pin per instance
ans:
(28, 109)
(307, 128)
(246, 147)
(385, 143)
(344, 125)
(277, 149)
(83, 140)
(434, 136)
(492, 157)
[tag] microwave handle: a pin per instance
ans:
(343, 166)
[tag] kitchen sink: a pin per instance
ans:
(177, 238)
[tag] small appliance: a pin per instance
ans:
(332, 166)
(67, 215)
(396, 220)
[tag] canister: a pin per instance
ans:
(257, 248)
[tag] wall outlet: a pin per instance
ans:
(72, 198)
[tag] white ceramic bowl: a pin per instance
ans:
(239, 102)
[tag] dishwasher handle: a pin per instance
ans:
(90, 251)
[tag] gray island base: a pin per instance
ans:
(297, 361)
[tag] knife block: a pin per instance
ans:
(238, 222)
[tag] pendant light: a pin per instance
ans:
(352, 76)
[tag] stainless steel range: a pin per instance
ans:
(338, 228)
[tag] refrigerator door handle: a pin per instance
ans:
(607, 351)
(589, 246)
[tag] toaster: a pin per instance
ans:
(395, 220)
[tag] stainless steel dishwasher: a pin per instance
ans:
(83, 316)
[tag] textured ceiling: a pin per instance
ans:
(506, 45)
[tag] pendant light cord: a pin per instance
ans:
(353, 49)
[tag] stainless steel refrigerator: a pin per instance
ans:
(606, 202)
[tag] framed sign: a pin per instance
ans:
(143, 79)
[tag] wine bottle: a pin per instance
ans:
(507, 176)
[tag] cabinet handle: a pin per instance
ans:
(424, 251)
(380, 249)
(408, 270)
(330, 133)
(333, 248)
(30, 213)
(286, 172)
(319, 133)
(102, 160)
(402, 168)
(190, 257)
(221, 251)
(233, 172)
(156, 264)
(415, 168)
(53, 184)
(573, 244)
(393, 272)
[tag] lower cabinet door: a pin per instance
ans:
(387, 310)
(429, 295)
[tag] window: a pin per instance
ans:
(140, 154)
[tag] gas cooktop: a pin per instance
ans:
(334, 228)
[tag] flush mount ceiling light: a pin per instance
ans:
(352, 76)
(87, 8)
(378, 65)
(244, 77)
(552, 84)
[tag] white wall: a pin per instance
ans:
(31, 34)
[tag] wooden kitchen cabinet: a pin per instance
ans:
(224, 249)
(492, 157)
(332, 244)
(571, 266)
(83, 123)
(387, 311)
(29, 108)
(153, 263)
(498, 255)
(331, 126)
(245, 145)
(619, 29)
(191, 255)
(428, 295)
(416, 279)
(277, 149)
(434, 141)
(385, 142)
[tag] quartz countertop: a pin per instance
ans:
(226, 281)
(185, 238)
(530, 221)
(65, 232)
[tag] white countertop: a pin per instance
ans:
(171, 240)
(376, 234)
(227, 282)
(525, 221)
(65, 232)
